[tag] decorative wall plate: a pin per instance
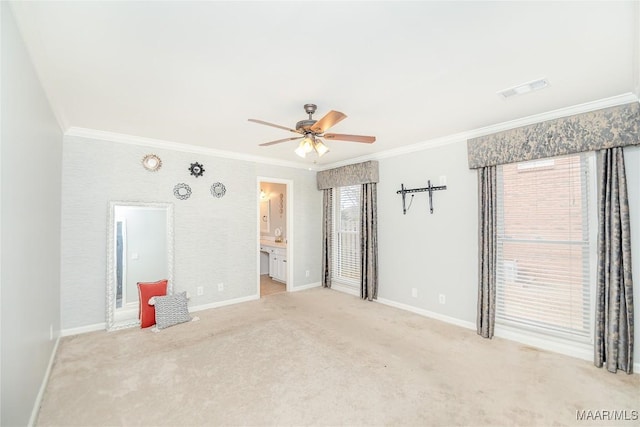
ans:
(218, 189)
(281, 204)
(196, 169)
(182, 191)
(151, 162)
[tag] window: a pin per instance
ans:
(545, 247)
(346, 237)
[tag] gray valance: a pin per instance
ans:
(359, 173)
(596, 130)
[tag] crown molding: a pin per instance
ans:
(425, 145)
(177, 146)
(613, 101)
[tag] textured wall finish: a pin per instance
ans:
(215, 238)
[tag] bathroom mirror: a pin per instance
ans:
(140, 249)
(265, 214)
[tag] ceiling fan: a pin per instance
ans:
(312, 130)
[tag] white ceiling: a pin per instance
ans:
(406, 72)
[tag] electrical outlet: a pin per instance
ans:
(307, 273)
(220, 287)
(200, 290)
(414, 292)
(442, 299)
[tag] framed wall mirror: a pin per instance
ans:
(140, 249)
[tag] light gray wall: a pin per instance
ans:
(434, 253)
(215, 238)
(30, 152)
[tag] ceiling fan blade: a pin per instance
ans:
(278, 141)
(330, 119)
(262, 122)
(354, 138)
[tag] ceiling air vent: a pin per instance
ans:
(524, 88)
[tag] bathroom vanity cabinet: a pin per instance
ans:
(277, 260)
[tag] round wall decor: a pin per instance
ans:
(196, 169)
(182, 191)
(218, 189)
(281, 204)
(151, 162)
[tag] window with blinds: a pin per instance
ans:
(346, 238)
(544, 247)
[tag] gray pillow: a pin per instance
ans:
(171, 310)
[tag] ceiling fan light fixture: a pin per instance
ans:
(307, 143)
(301, 151)
(320, 148)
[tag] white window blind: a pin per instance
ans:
(346, 239)
(544, 247)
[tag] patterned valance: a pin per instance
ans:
(610, 127)
(359, 173)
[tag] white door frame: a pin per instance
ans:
(288, 231)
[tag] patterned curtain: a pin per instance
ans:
(596, 130)
(327, 231)
(369, 242)
(344, 176)
(487, 237)
(614, 295)
(367, 175)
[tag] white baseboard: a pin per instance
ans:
(304, 287)
(83, 329)
(43, 386)
(427, 313)
(223, 303)
(103, 326)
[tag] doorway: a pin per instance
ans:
(275, 235)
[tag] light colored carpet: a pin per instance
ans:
(268, 286)
(320, 357)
